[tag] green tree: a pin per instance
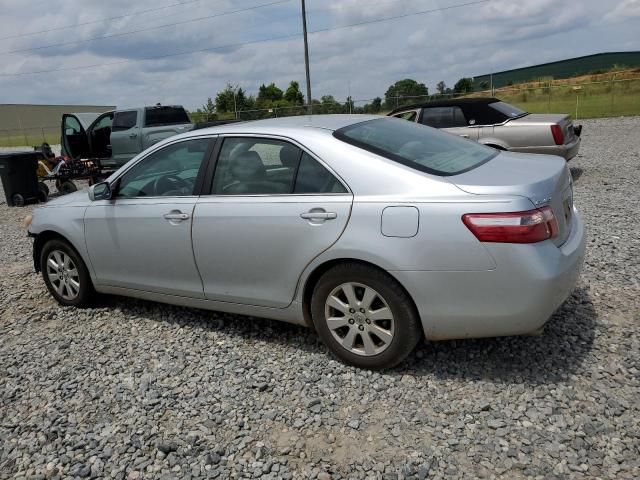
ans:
(207, 112)
(230, 99)
(328, 104)
(374, 107)
(293, 94)
(268, 94)
(399, 93)
(464, 85)
(349, 106)
(441, 87)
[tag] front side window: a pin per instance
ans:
(416, 146)
(124, 120)
(104, 122)
(170, 171)
(443, 117)
(72, 126)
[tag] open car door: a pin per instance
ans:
(74, 140)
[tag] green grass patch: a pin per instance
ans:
(610, 99)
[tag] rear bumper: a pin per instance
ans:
(566, 151)
(518, 297)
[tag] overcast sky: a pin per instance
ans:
(364, 60)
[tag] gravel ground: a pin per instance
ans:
(140, 390)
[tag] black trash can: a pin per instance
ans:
(19, 177)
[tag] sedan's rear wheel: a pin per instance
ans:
(65, 274)
(364, 316)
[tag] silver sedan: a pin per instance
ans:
(373, 231)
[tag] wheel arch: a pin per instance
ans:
(41, 239)
(312, 280)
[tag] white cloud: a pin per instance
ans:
(445, 45)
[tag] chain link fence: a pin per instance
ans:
(609, 98)
(30, 136)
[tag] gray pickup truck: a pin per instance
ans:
(116, 137)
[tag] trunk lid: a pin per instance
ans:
(544, 179)
(565, 122)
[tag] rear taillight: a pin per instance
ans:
(558, 136)
(514, 227)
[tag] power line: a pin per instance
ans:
(156, 27)
(132, 32)
(101, 20)
(253, 42)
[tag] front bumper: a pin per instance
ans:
(566, 151)
(529, 283)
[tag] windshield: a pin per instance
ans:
(509, 110)
(417, 146)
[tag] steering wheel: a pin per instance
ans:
(170, 183)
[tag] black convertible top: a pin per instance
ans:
(449, 102)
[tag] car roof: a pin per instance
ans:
(449, 102)
(329, 123)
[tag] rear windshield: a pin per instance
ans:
(509, 110)
(417, 146)
(156, 116)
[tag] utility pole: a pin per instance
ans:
(306, 57)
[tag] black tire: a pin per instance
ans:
(17, 200)
(44, 187)
(43, 193)
(68, 187)
(407, 328)
(85, 292)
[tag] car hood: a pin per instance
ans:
(75, 199)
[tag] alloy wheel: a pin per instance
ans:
(359, 318)
(63, 274)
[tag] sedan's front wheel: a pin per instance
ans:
(364, 316)
(65, 274)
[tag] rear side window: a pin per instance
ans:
(507, 110)
(255, 166)
(417, 146)
(314, 178)
(411, 116)
(124, 120)
(157, 116)
(443, 117)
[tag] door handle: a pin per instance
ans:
(133, 135)
(319, 215)
(176, 216)
(464, 135)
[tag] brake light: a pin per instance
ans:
(558, 136)
(513, 227)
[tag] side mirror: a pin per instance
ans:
(69, 131)
(100, 191)
(472, 122)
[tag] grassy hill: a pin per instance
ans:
(601, 95)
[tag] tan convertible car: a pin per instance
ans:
(497, 124)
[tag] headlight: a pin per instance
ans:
(27, 221)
